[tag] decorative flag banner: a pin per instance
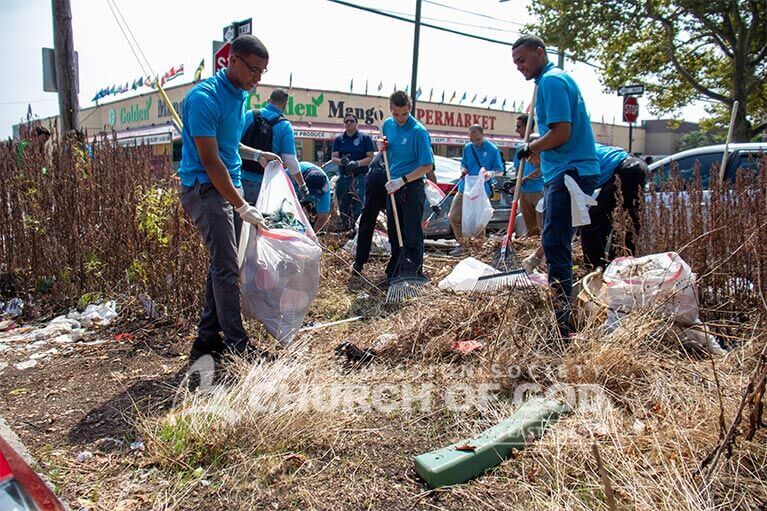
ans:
(200, 69)
(483, 101)
(443, 95)
(407, 88)
(494, 100)
(463, 98)
(351, 85)
(290, 81)
(503, 106)
(418, 93)
(380, 86)
(474, 99)
(431, 93)
(366, 86)
(453, 96)
(172, 73)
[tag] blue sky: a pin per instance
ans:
(324, 45)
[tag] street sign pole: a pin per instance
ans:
(631, 136)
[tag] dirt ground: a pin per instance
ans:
(79, 409)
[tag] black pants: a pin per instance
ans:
(633, 173)
(375, 202)
(409, 199)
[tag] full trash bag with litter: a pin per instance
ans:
(279, 265)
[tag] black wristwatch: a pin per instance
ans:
(404, 179)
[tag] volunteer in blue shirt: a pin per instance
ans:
(566, 147)
(375, 202)
(352, 152)
(410, 157)
(480, 158)
(532, 185)
(214, 113)
(283, 143)
(632, 171)
(317, 197)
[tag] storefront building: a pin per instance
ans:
(317, 118)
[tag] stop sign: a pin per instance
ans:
(221, 57)
(630, 109)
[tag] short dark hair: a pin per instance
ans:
(476, 127)
(249, 45)
(40, 131)
(351, 114)
(278, 97)
(531, 41)
(523, 118)
(399, 98)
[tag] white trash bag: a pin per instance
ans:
(477, 210)
(279, 266)
(379, 245)
(466, 274)
(663, 280)
(579, 203)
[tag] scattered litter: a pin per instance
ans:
(639, 427)
(137, 446)
(84, 456)
(96, 315)
(43, 354)
(466, 448)
(466, 274)
(7, 325)
(384, 340)
(125, 336)
(380, 246)
(354, 354)
(21, 366)
(13, 307)
(150, 308)
(466, 347)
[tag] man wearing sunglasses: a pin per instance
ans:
(211, 193)
(352, 152)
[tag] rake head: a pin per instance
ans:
(404, 288)
(512, 279)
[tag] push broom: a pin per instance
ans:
(511, 272)
(405, 281)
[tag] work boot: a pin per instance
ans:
(212, 346)
(250, 352)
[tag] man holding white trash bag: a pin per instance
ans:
(211, 193)
(480, 158)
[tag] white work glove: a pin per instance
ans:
(485, 174)
(382, 144)
(394, 185)
(304, 190)
(251, 215)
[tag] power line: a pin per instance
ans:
(450, 30)
(149, 65)
(485, 27)
(130, 45)
(475, 13)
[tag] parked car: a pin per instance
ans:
(448, 172)
(741, 156)
(20, 487)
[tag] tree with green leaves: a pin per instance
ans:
(680, 50)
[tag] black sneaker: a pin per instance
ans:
(250, 353)
(201, 347)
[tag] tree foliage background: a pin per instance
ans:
(681, 51)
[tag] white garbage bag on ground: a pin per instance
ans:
(465, 275)
(664, 283)
(279, 266)
(477, 209)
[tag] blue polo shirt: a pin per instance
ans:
(560, 100)
(283, 136)
(609, 159)
(489, 157)
(531, 185)
(409, 146)
(215, 107)
(356, 147)
(318, 184)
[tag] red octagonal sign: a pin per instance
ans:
(630, 109)
(221, 57)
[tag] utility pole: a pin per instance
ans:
(66, 74)
(416, 36)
